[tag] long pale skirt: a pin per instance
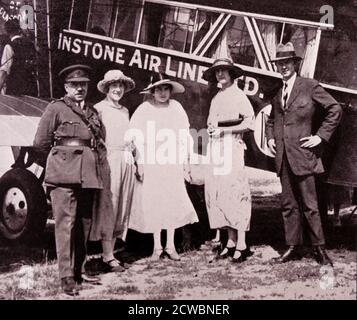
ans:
(113, 203)
(228, 197)
(122, 188)
(161, 200)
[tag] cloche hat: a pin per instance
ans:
(113, 76)
(222, 63)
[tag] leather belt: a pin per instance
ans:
(75, 142)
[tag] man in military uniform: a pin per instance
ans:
(70, 132)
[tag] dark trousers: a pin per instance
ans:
(299, 200)
(72, 209)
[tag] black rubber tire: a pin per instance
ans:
(31, 227)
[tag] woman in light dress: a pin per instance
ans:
(227, 193)
(113, 221)
(160, 131)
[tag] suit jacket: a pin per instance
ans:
(288, 126)
(68, 165)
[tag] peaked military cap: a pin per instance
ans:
(75, 73)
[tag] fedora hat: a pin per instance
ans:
(284, 52)
(113, 76)
(222, 63)
(158, 79)
(75, 73)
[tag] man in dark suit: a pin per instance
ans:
(292, 138)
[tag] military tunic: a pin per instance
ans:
(73, 174)
(66, 165)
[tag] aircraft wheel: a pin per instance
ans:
(23, 207)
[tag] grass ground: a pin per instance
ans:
(197, 276)
(31, 272)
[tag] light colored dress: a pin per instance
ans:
(161, 200)
(227, 192)
(122, 173)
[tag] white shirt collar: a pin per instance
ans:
(81, 104)
(290, 81)
(15, 37)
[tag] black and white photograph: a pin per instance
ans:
(199, 151)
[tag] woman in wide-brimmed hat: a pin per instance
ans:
(227, 194)
(161, 201)
(113, 221)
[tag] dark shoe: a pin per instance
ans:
(321, 256)
(113, 266)
(172, 254)
(244, 254)
(69, 287)
(87, 279)
(124, 264)
(336, 222)
(291, 254)
(228, 252)
(217, 247)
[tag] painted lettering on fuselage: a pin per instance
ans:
(142, 59)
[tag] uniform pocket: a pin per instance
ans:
(64, 166)
(68, 129)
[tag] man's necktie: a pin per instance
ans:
(81, 106)
(285, 95)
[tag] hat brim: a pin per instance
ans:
(210, 74)
(176, 87)
(80, 79)
(104, 84)
(72, 67)
(297, 58)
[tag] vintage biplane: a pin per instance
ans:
(182, 39)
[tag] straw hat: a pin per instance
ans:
(159, 79)
(285, 52)
(222, 63)
(113, 76)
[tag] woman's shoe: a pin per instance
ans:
(124, 264)
(216, 240)
(113, 265)
(217, 247)
(156, 255)
(225, 253)
(243, 255)
(172, 254)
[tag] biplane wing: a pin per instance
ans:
(19, 117)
